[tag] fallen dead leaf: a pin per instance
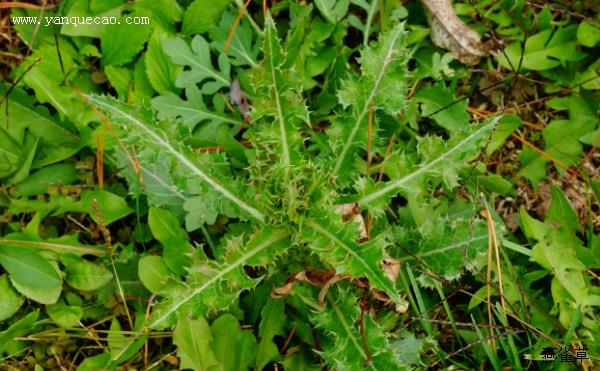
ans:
(449, 32)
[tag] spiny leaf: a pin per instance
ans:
(214, 286)
(157, 143)
(346, 351)
(382, 84)
(335, 242)
(442, 159)
(277, 97)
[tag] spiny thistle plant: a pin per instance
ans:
(304, 219)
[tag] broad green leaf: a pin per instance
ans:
(439, 98)
(202, 15)
(234, 348)
(121, 43)
(197, 58)
(38, 182)
(103, 204)
(153, 273)
(120, 79)
(556, 253)
(160, 71)
(543, 50)
(560, 213)
(216, 285)
(273, 319)
(588, 33)
(29, 268)
(64, 315)
(94, 363)
(193, 339)
(16, 329)
(82, 9)
(176, 248)
(382, 85)
(157, 143)
(333, 10)
(87, 276)
(11, 299)
(335, 242)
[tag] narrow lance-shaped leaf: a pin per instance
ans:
(212, 285)
(156, 143)
(382, 83)
(277, 97)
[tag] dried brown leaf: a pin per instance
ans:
(449, 32)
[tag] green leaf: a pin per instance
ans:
(588, 33)
(17, 329)
(382, 84)
(176, 248)
(445, 245)
(242, 50)
(193, 339)
(121, 346)
(560, 213)
(205, 287)
(278, 99)
(64, 315)
(543, 50)
(11, 299)
(160, 71)
(191, 112)
(273, 319)
(87, 276)
(335, 242)
(103, 204)
(158, 144)
(333, 10)
(556, 253)
(202, 15)
(153, 273)
(442, 158)
(439, 98)
(345, 350)
(197, 58)
(38, 182)
(120, 79)
(119, 44)
(234, 349)
(28, 268)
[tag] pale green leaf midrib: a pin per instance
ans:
(423, 169)
(282, 133)
(276, 237)
(183, 160)
(386, 61)
(372, 275)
